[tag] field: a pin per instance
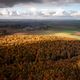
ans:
(39, 57)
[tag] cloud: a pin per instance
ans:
(33, 11)
(55, 12)
(4, 12)
(13, 2)
(76, 14)
(59, 12)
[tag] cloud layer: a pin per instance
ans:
(39, 8)
(40, 13)
(13, 2)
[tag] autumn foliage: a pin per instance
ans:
(39, 57)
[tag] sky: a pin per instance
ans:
(39, 9)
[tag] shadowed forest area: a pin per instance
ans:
(27, 57)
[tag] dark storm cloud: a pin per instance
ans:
(2, 5)
(9, 3)
(13, 2)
